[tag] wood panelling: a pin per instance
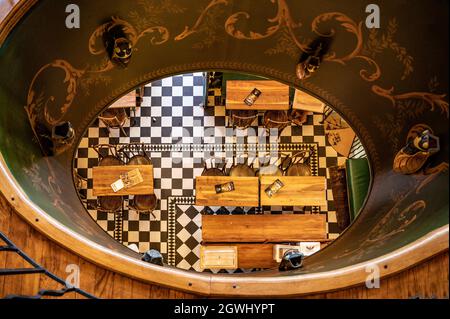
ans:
(427, 280)
(93, 279)
(20, 233)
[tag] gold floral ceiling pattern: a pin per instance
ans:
(366, 50)
(384, 65)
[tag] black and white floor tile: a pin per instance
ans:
(185, 251)
(179, 133)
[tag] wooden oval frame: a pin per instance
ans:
(202, 283)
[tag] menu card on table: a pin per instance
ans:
(127, 180)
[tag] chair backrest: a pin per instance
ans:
(242, 169)
(298, 117)
(114, 117)
(135, 150)
(144, 203)
(276, 119)
(110, 160)
(243, 119)
(214, 170)
(109, 204)
(140, 160)
(110, 149)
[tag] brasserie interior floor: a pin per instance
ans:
(179, 133)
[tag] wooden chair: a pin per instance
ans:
(140, 91)
(104, 150)
(140, 95)
(213, 170)
(300, 165)
(144, 204)
(268, 169)
(276, 120)
(108, 204)
(136, 154)
(242, 169)
(298, 117)
(242, 119)
(80, 184)
(114, 118)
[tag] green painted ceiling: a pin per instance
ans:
(383, 81)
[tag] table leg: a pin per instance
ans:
(133, 118)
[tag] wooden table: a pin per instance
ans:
(306, 102)
(245, 193)
(298, 191)
(274, 96)
(126, 101)
(104, 176)
(263, 228)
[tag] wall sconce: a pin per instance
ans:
(62, 137)
(310, 61)
(292, 259)
(117, 44)
(55, 140)
(153, 257)
(421, 144)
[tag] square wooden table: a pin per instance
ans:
(297, 191)
(306, 102)
(126, 101)
(274, 96)
(104, 176)
(245, 193)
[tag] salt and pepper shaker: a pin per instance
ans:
(252, 97)
(274, 188)
(223, 188)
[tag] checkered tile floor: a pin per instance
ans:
(179, 133)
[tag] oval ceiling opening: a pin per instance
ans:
(229, 166)
(389, 97)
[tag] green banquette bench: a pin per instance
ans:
(350, 184)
